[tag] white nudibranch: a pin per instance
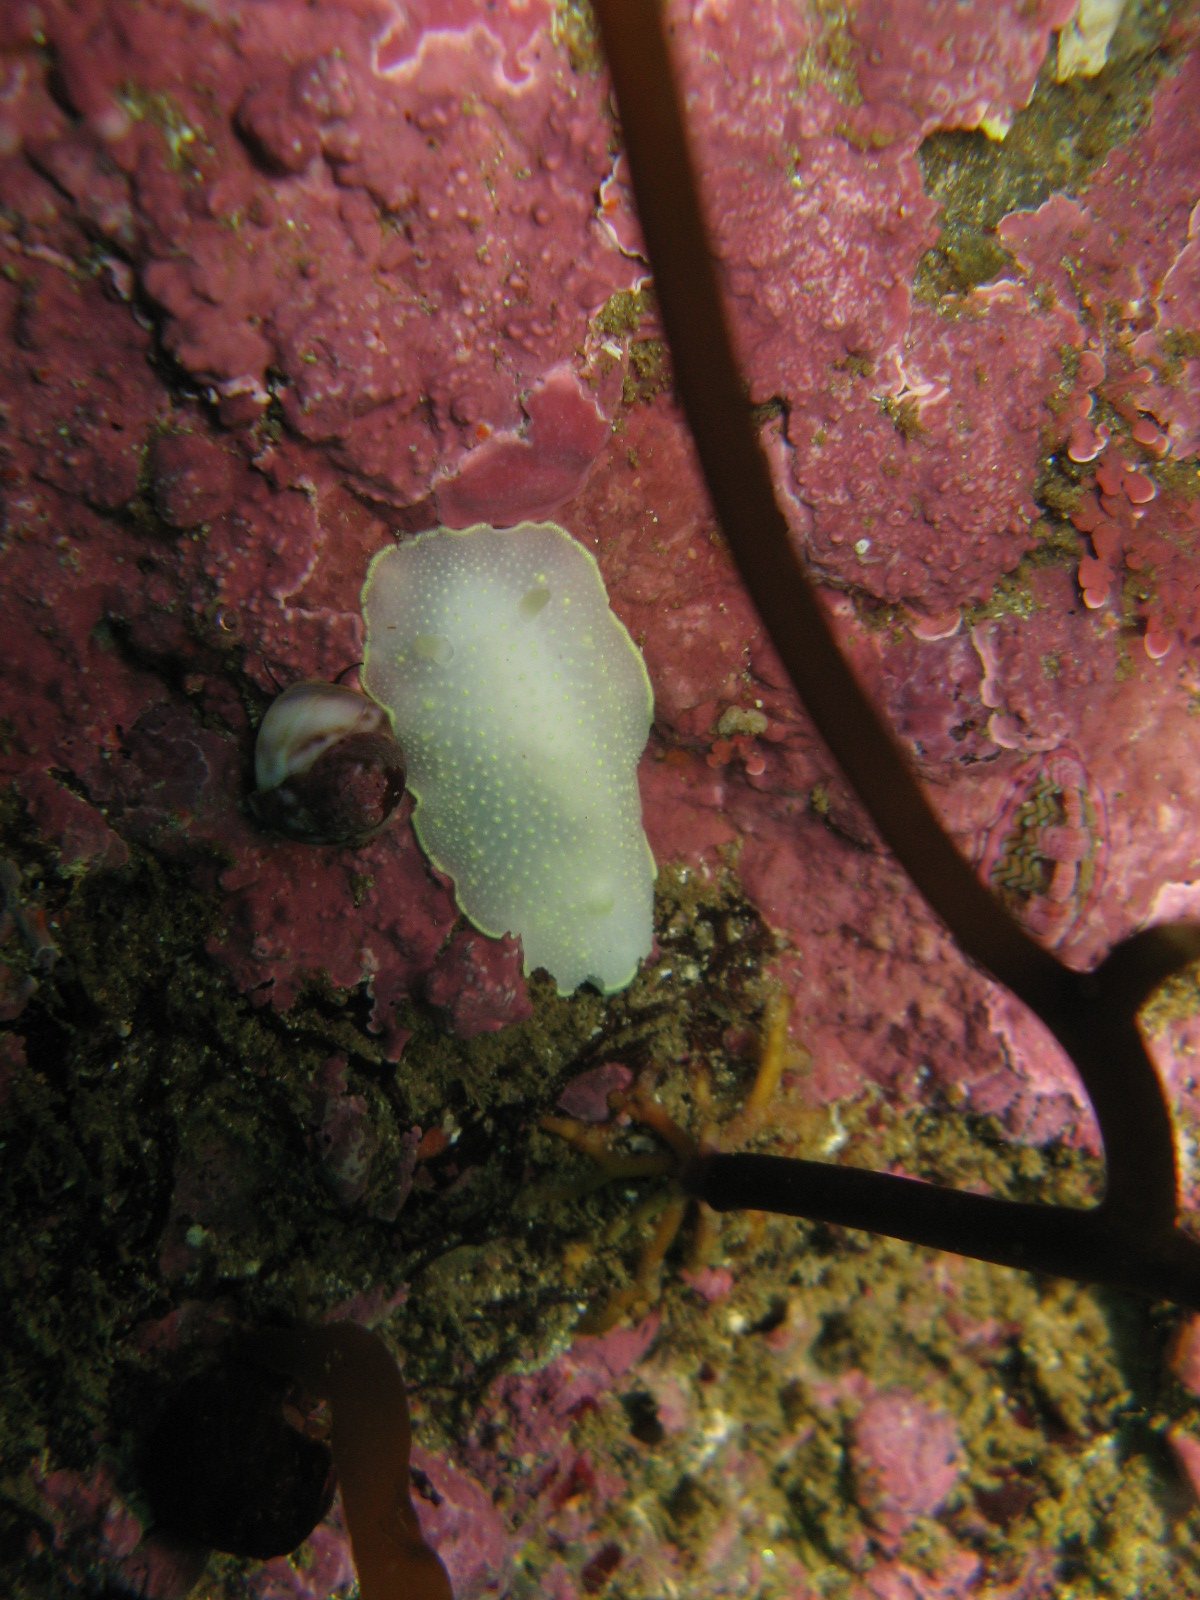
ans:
(522, 706)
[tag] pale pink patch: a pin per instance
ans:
(940, 626)
(1086, 440)
(1139, 489)
(1156, 645)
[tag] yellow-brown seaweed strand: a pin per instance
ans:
(354, 1371)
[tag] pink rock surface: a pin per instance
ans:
(477, 983)
(1185, 1447)
(951, 67)
(1185, 1355)
(1129, 275)
(905, 1458)
(282, 281)
(586, 1096)
(270, 541)
(824, 315)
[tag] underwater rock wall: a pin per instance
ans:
(280, 280)
(267, 302)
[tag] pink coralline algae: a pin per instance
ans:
(529, 471)
(1141, 554)
(348, 1148)
(948, 67)
(92, 1527)
(1130, 277)
(531, 1420)
(477, 983)
(286, 908)
(267, 189)
(192, 479)
(251, 199)
(825, 316)
(256, 204)
(1046, 852)
(934, 452)
(905, 1458)
(328, 1569)
(586, 1096)
(283, 283)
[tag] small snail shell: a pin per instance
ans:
(326, 766)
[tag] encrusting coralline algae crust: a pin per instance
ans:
(282, 284)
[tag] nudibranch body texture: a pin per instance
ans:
(522, 706)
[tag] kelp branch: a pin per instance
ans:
(1131, 1238)
(353, 1369)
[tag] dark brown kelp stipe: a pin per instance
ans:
(1132, 1239)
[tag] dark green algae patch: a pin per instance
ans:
(143, 1059)
(1054, 145)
